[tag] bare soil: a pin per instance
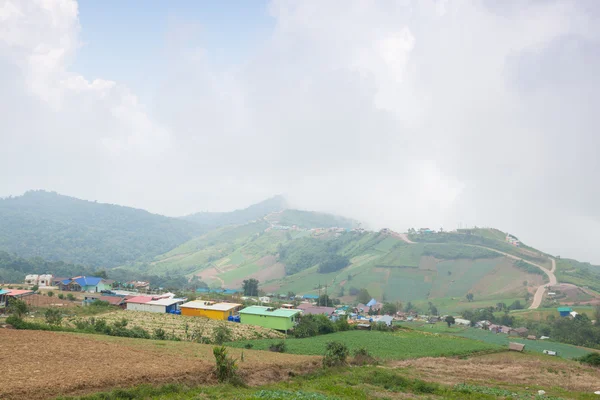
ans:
(506, 369)
(69, 364)
(37, 300)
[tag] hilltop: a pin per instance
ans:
(56, 227)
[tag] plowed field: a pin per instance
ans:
(40, 365)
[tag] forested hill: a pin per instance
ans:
(238, 217)
(56, 227)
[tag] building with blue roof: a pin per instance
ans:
(310, 296)
(92, 284)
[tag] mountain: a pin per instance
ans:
(309, 219)
(437, 267)
(56, 227)
(256, 211)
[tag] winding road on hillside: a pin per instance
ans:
(539, 293)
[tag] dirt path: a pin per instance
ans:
(404, 237)
(539, 293)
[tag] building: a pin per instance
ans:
(118, 301)
(308, 308)
(44, 280)
(152, 304)
(269, 317)
(518, 332)
(461, 321)
(210, 309)
(264, 299)
(91, 284)
(384, 319)
(310, 297)
(564, 311)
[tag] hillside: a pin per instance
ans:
(309, 219)
(390, 268)
(238, 217)
(55, 227)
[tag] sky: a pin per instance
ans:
(401, 113)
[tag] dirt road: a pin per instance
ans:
(539, 294)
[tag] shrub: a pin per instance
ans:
(591, 359)
(336, 354)
(18, 308)
(342, 325)
(312, 325)
(53, 316)
(159, 334)
(226, 368)
(424, 387)
(50, 293)
(278, 347)
(222, 334)
(70, 297)
(248, 346)
(35, 288)
(61, 296)
(363, 357)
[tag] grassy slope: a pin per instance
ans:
(310, 219)
(390, 346)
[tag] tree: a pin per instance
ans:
(18, 308)
(450, 320)
(433, 309)
(389, 308)
(342, 291)
(35, 288)
(53, 316)
(325, 301)
(469, 297)
(250, 287)
(70, 297)
(597, 315)
(409, 307)
(353, 291)
(50, 293)
(500, 306)
(100, 274)
(363, 296)
(291, 295)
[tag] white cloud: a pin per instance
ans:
(399, 113)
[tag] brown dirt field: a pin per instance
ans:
(507, 273)
(37, 300)
(506, 369)
(575, 294)
(69, 364)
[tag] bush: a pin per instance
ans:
(363, 357)
(61, 296)
(18, 308)
(592, 359)
(70, 297)
(159, 334)
(278, 347)
(35, 288)
(336, 354)
(248, 346)
(342, 325)
(424, 387)
(223, 334)
(53, 316)
(226, 368)
(50, 293)
(312, 325)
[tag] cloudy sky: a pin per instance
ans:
(399, 113)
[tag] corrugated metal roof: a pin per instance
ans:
(216, 307)
(18, 292)
(260, 310)
(164, 302)
(139, 299)
(2, 291)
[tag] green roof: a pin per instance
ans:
(261, 310)
(564, 309)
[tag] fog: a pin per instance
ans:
(397, 113)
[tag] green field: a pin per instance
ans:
(563, 350)
(500, 339)
(389, 346)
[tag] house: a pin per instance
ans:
(310, 297)
(152, 304)
(461, 321)
(308, 308)
(44, 280)
(518, 332)
(3, 298)
(209, 309)
(531, 337)
(564, 311)
(269, 317)
(264, 299)
(91, 284)
(138, 285)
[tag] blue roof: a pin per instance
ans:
(310, 296)
(371, 303)
(84, 281)
(2, 291)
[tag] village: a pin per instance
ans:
(273, 311)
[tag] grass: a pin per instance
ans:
(336, 384)
(538, 346)
(388, 346)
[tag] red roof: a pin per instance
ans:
(17, 292)
(139, 299)
(114, 300)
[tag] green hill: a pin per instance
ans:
(299, 260)
(55, 227)
(238, 217)
(309, 219)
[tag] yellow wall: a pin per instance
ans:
(212, 314)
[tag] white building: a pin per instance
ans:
(39, 280)
(460, 321)
(148, 304)
(264, 299)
